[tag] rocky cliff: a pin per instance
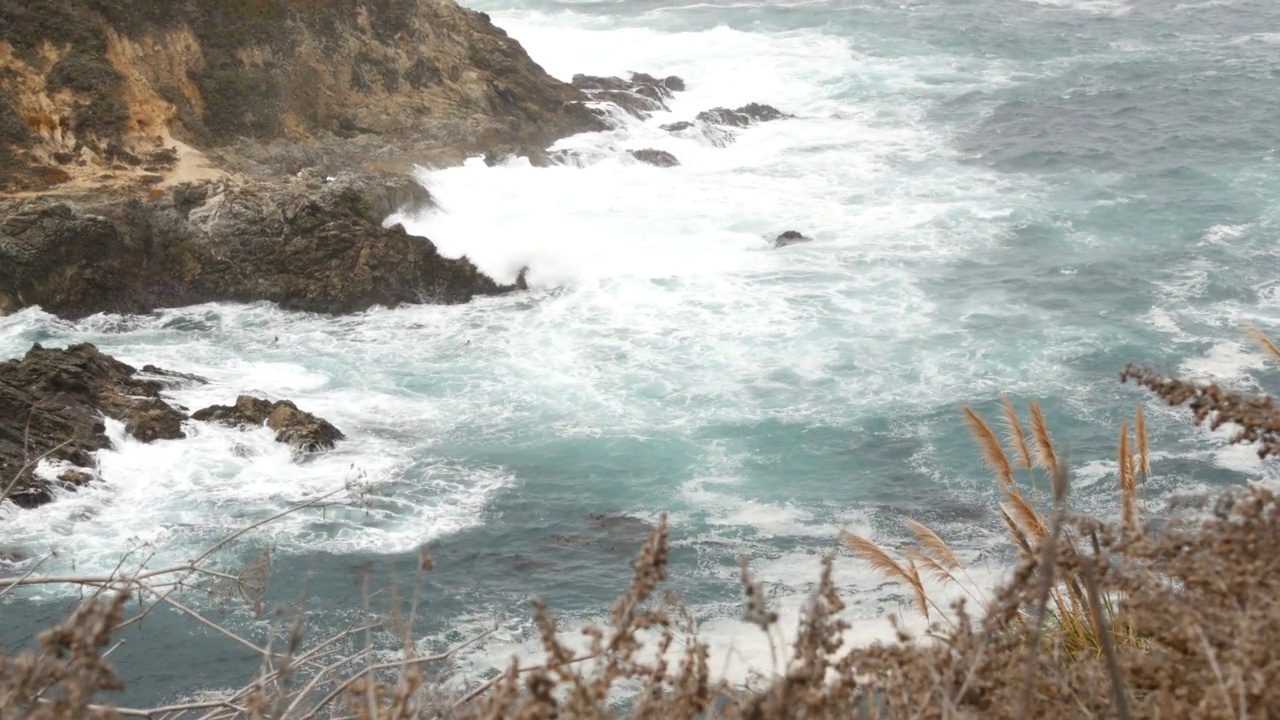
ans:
(157, 154)
(142, 91)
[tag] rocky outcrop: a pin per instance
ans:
(52, 403)
(717, 124)
(659, 158)
(297, 428)
(128, 88)
(183, 147)
(743, 116)
(790, 237)
(315, 244)
(641, 95)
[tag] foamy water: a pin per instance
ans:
(1007, 196)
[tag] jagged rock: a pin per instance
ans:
(76, 478)
(52, 402)
(641, 95)
(171, 379)
(308, 244)
(127, 77)
(716, 125)
(660, 158)
(743, 116)
(790, 237)
(155, 420)
(295, 427)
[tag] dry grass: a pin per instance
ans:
(1098, 620)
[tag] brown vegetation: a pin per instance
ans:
(1098, 620)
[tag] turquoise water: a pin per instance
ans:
(1005, 196)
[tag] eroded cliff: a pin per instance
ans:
(95, 92)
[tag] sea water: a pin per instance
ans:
(1004, 196)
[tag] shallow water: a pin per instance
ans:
(1004, 196)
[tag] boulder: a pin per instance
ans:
(155, 420)
(295, 427)
(52, 402)
(790, 237)
(660, 158)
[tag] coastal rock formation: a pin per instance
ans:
(130, 88)
(185, 150)
(51, 404)
(313, 244)
(295, 427)
(659, 158)
(743, 116)
(640, 95)
(717, 124)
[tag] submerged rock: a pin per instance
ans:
(790, 237)
(294, 427)
(743, 116)
(641, 95)
(51, 405)
(659, 158)
(717, 124)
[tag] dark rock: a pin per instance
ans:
(660, 158)
(295, 427)
(790, 237)
(51, 405)
(171, 379)
(743, 116)
(677, 126)
(76, 478)
(641, 95)
(621, 526)
(305, 244)
(155, 420)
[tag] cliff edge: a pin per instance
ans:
(161, 154)
(134, 92)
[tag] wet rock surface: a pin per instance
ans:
(53, 403)
(640, 95)
(657, 158)
(314, 244)
(298, 428)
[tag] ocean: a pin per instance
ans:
(1005, 197)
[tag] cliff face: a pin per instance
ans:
(97, 91)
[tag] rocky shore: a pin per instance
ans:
(165, 154)
(53, 401)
